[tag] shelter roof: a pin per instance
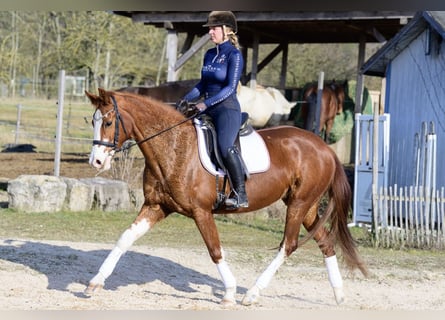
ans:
(377, 64)
(287, 27)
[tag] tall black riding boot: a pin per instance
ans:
(238, 197)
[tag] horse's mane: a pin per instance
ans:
(155, 118)
(149, 103)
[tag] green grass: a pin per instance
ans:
(253, 238)
(98, 226)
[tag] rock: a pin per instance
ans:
(109, 195)
(80, 195)
(137, 198)
(37, 193)
(42, 193)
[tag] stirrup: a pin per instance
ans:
(233, 203)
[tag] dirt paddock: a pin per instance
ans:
(71, 165)
(52, 275)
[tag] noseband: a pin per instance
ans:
(118, 119)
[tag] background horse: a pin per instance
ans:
(340, 93)
(332, 99)
(169, 92)
(266, 107)
(302, 169)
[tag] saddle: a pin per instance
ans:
(253, 151)
(210, 138)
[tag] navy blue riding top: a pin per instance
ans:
(220, 75)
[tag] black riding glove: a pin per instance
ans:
(182, 106)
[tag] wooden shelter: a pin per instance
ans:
(273, 27)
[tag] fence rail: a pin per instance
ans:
(411, 217)
(36, 125)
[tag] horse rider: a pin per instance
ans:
(220, 74)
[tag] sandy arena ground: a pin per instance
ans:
(52, 275)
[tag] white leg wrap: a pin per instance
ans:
(110, 262)
(228, 280)
(226, 275)
(333, 272)
(265, 278)
(125, 241)
(335, 278)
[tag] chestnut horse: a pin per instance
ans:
(302, 169)
(340, 93)
(332, 99)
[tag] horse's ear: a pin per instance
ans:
(95, 100)
(105, 96)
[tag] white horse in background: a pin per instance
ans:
(266, 107)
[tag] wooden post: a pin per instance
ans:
(161, 62)
(17, 126)
(284, 66)
(255, 49)
(375, 168)
(60, 103)
(244, 78)
(172, 49)
(359, 87)
(191, 52)
(319, 97)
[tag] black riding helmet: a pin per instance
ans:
(220, 18)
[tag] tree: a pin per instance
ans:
(114, 52)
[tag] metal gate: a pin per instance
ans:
(364, 135)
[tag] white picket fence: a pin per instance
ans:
(410, 217)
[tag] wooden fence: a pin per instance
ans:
(410, 217)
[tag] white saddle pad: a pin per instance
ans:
(253, 150)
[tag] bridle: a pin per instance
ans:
(114, 144)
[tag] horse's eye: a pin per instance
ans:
(108, 123)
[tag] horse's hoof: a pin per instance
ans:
(92, 289)
(229, 297)
(251, 296)
(339, 295)
(227, 302)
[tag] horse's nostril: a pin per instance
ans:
(98, 162)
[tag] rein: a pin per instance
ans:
(128, 146)
(123, 148)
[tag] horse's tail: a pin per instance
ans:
(340, 203)
(336, 215)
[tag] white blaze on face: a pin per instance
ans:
(100, 158)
